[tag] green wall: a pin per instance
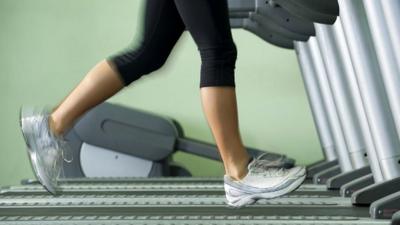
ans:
(47, 46)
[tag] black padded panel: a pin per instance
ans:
(302, 11)
(267, 35)
(271, 25)
(330, 7)
(285, 19)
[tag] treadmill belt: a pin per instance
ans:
(189, 220)
(81, 180)
(171, 205)
(180, 210)
(168, 185)
(149, 189)
(139, 180)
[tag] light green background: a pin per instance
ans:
(47, 46)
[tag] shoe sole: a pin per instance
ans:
(25, 129)
(250, 199)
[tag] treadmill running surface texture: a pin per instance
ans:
(18, 205)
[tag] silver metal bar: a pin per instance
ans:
(370, 83)
(391, 12)
(390, 75)
(341, 91)
(315, 100)
(337, 130)
(337, 32)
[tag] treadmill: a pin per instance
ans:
(318, 189)
(121, 115)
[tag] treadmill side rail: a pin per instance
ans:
(374, 192)
(385, 207)
(312, 170)
(348, 189)
(322, 177)
(396, 218)
(337, 181)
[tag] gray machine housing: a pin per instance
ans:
(113, 140)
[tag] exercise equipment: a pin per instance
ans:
(134, 143)
(274, 14)
(173, 204)
(360, 169)
(189, 220)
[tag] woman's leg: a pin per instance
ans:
(43, 132)
(213, 37)
(162, 28)
(99, 84)
(219, 105)
(212, 34)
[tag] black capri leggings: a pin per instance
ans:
(164, 22)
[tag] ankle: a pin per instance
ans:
(238, 175)
(55, 126)
(239, 170)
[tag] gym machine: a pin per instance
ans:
(134, 143)
(273, 26)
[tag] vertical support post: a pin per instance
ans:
(304, 50)
(345, 106)
(369, 78)
(391, 12)
(386, 58)
(316, 104)
(337, 32)
(337, 130)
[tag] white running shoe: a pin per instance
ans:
(46, 151)
(262, 181)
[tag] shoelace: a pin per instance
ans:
(46, 138)
(263, 165)
(266, 168)
(45, 141)
(269, 172)
(270, 163)
(67, 155)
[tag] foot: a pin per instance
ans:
(45, 149)
(262, 181)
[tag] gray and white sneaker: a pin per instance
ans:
(262, 181)
(46, 151)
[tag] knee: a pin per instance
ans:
(218, 65)
(219, 54)
(134, 63)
